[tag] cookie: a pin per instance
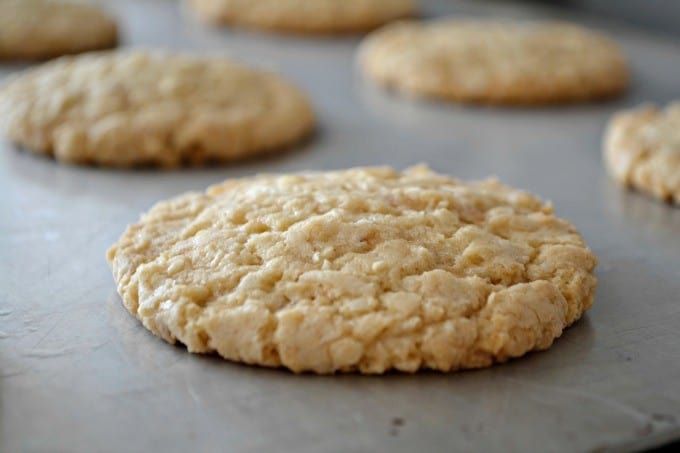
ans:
(495, 62)
(304, 16)
(642, 150)
(365, 270)
(40, 29)
(144, 108)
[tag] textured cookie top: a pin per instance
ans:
(495, 62)
(143, 108)
(642, 149)
(365, 269)
(311, 16)
(34, 29)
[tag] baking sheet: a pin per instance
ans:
(78, 373)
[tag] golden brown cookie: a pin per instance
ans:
(363, 270)
(642, 150)
(38, 29)
(124, 109)
(495, 62)
(304, 16)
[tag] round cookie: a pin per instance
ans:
(642, 150)
(304, 16)
(495, 62)
(141, 108)
(366, 270)
(39, 29)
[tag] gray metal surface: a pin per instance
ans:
(659, 15)
(79, 374)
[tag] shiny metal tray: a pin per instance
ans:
(79, 374)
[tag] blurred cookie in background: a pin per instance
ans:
(642, 150)
(137, 108)
(304, 16)
(41, 29)
(495, 62)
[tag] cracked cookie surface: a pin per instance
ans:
(125, 109)
(304, 16)
(38, 29)
(642, 150)
(367, 269)
(495, 62)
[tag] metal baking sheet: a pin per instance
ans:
(79, 374)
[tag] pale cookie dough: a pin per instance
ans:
(495, 62)
(304, 16)
(143, 108)
(39, 29)
(642, 150)
(363, 270)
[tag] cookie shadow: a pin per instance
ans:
(440, 117)
(644, 214)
